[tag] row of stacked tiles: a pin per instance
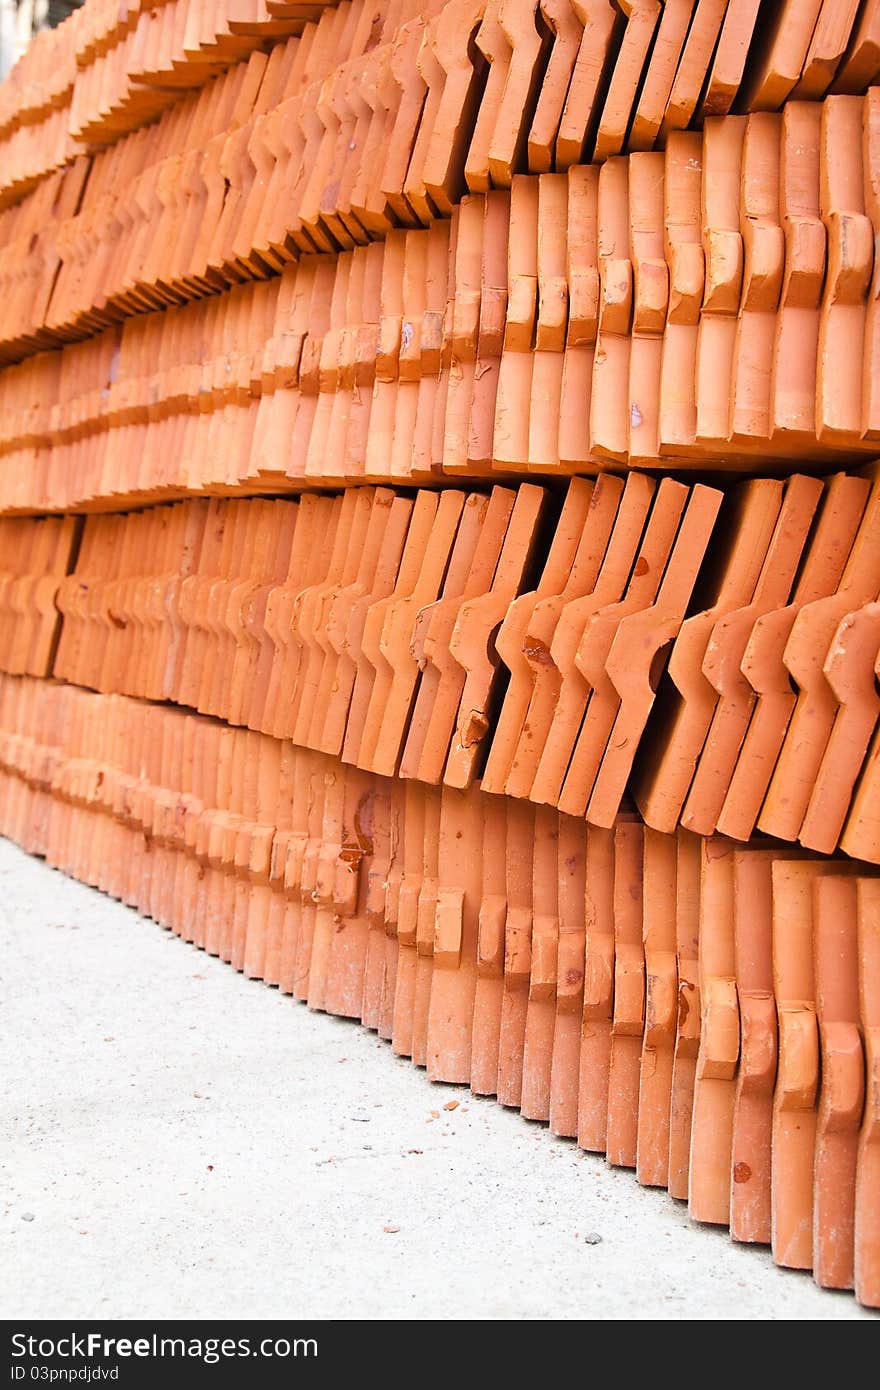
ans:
(611, 76)
(260, 116)
(457, 636)
(582, 320)
(114, 65)
(706, 1014)
(186, 205)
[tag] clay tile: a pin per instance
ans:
(511, 641)
(813, 716)
(665, 774)
(609, 400)
(867, 1273)
(850, 264)
(722, 664)
(478, 544)
(750, 1213)
(661, 1008)
(715, 1086)
(842, 1093)
(762, 664)
(456, 929)
(642, 17)
(468, 644)
(567, 30)
(650, 106)
(517, 950)
(796, 1094)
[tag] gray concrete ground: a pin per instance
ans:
(181, 1142)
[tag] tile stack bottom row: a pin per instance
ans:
(705, 1012)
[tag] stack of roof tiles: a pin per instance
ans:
(440, 546)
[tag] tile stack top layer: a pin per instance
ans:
(111, 67)
(483, 89)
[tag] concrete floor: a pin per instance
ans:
(182, 1142)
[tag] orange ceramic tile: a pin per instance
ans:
(722, 663)
(661, 996)
(600, 633)
(797, 1082)
(780, 61)
(369, 575)
(667, 770)
(529, 44)
(347, 924)
(408, 107)
(860, 833)
(849, 669)
(573, 693)
(867, 1216)
(453, 33)
(415, 269)
(567, 30)
(541, 1008)
(850, 263)
(685, 259)
(583, 310)
(411, 855)
(763, 261)
(638, 650)
(468, 643)
(715, 1086)
(294, 870)
(609, 401)
(842, 1081)
(762, 662)
(628, 1016)
(473, 562)
(750, 1210)
(545, 621)
(570, 968)
(386, 719)
(297, 980)
(870, 134)
(424, 459)
(491, 332)
(517, 950)
(813, 715)
(723, 248)
(511, 436)
(551, 322)
(603, 24)
(322, 676)
(492, 42)
(459, 403)
(650, 106)
(511, 639)
(489, 988)
(834, 25)
(642, 18)
(693, 65)
(425, 927)
(650, 303)
(453, 980)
